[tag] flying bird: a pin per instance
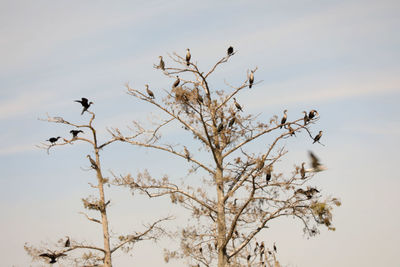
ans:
(75, 133)
(251, 79)
(312, 114)
(237, 104)
(85, 104)
(230, 51)
(188, 56)
(53, 140)
(177, 81)
(284, 118)
(92, 162)
(162, 64)
(52, 256)
(317, 137)
(67, 243)
(149, 92)
(315, 164)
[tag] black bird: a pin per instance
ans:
(232, 121)
(230, 51)
(177, 81)
(67, 243)
(306, 118)
(317, 137)
(284, 118)
(187, 154)
(85, 104)
(268, 174)
(92, 162)
(312, 114)
(237, 105)
(52, 140)
(220, 127)
(75, 133)
(251, 79)
(52, 256)
(275, 248)
(188, 56)
(162, 64)
(315, 164)
(149, 92)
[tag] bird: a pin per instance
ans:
(317, 137)
(275, 248)
(187, 154)
(188, 56)
(268, 174)
(52, 256)
(291, 131)
(251, 79)
(302, 171)
(230, 51)
(75, 133)
(284, 118)
(315, 164)
(85, 104)
(237, 105)
(177, 81)
(67, 243)
(149, 92)
(312, 114)
(92, 162)
(220, 127)
(306, 118)
(232, 121)
(162, 64)
(53, 140)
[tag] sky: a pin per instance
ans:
(339, 57)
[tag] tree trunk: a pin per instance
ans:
(221, 223)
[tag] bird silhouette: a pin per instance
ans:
(284, 118)
(92, 162)
(149, 92)
(162, 64)
(232, 121)
(75, 133)
(230, 51)
(220, 127)
(239, 107)
(306, 118)
(317, 137)
(302, 171)
(67, 242)
(312, 114)
(188, 56)
(251, 79)
(268, 175)
(52, 256)
(315, 164)
(85, 104)
(177, 81)
(53, 140)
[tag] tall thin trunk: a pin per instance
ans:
(221, 223)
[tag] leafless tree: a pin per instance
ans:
(91, 255)
(241, 192)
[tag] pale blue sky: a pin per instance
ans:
(340, 57)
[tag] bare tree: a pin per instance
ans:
(92, 255)
(241, 192)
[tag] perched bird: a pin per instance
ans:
(220, 127)
(199, 97)
(303, 171)
(284, 118)
(237, 105)
(177, 81)
(75, 133)
(52, 256)
(275, 248)
(85, 104)
(268, 174)
(248, 257)
(67, 243)
(230, 51)
(187, 154)
(306, 118)
(53, 140)
(188, 56)
(149, 92)
(92, 162)
(291, 131)
(162, 64)
(315, 164)
(232, 121)
(317, 137)
(251, 79)
(312, 114)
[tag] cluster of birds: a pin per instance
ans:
(53, 256)
(85, 104)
